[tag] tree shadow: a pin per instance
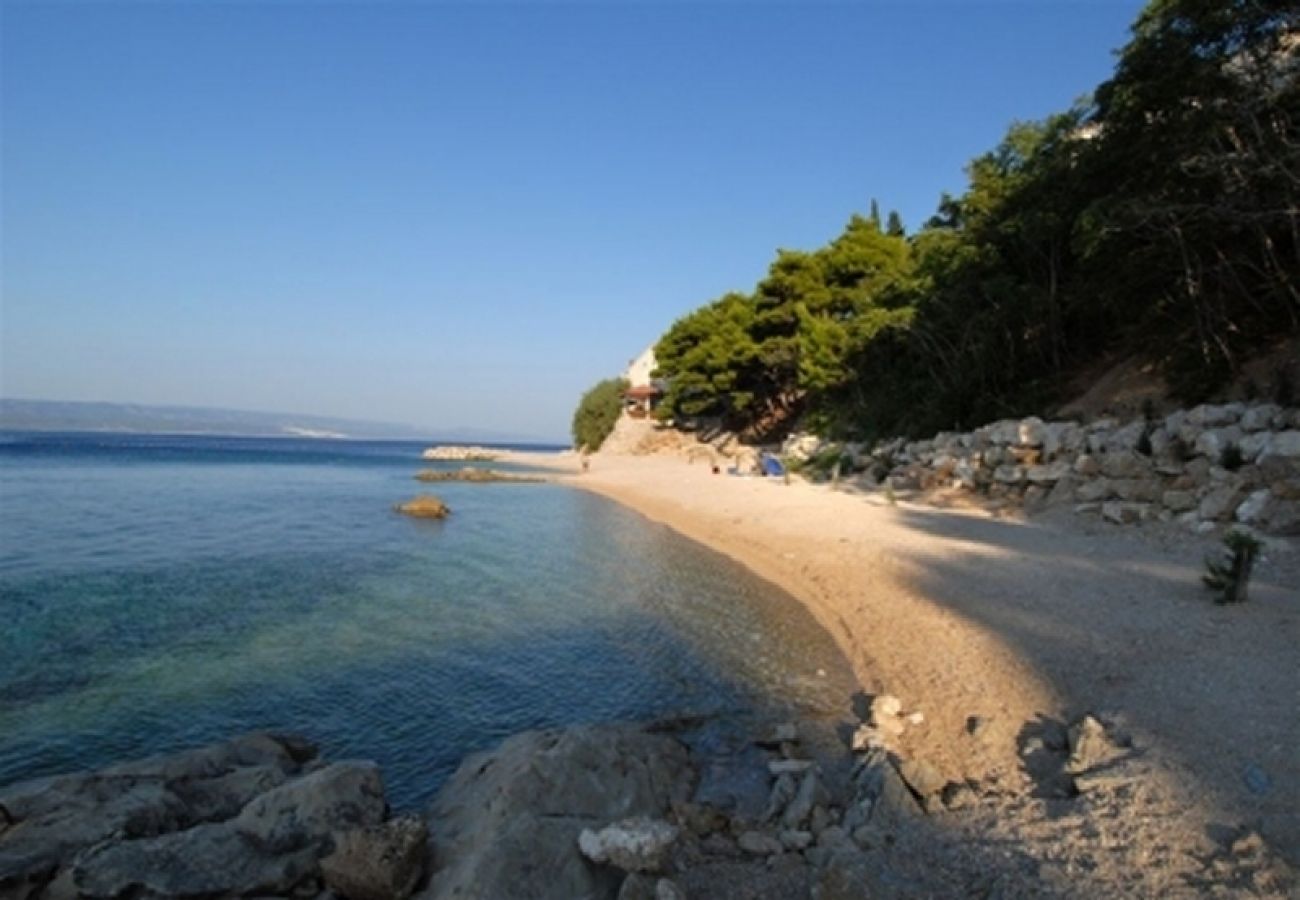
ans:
(1116, 620)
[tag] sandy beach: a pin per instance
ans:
(1028, 624)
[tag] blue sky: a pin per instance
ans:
(464, 214)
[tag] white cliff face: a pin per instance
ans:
(638, 370)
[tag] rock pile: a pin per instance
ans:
(460, 453)
(473, 475)
(1202, 467)
(258, 815)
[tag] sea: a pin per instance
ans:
(159, 592)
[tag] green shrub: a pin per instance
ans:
(597, 413)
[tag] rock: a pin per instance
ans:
(1049, 473)
(782, 793)
(637, 887)
(1125, 439)
(1125, 464)
(780, 767)
(1251, 510)
(1089, 745)
(957, 795)
(1219, 503)
(472, 475)
(699, 818)
(781, 733)
(832, 836)
(1087, 466)
(1252, 445)
(1061, 437)
(1124, 513)
(1284, 443)
(885, 706)
(884, 800)
(378, 862)
(1281, 517)
(1097, 489)
(1259, 418)
(820, 820)
(58, 817)
(868, 737)
(668, 890)
(638, 844)
(1248, 844)
(1138, 490)
(852, 875)
(1214, 441)
(923, 778)
(1031, 432)
(458, 453)
(796, 840)
(1178, 501)
(1009, 474)
(759, 844)
(1210, 416)
(512, 816)
(425, 506)
(304, 812)
(798, 810)
(213, 859)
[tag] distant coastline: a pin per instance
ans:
(18, 414)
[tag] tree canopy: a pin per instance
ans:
(1161, 216)
(597, 413)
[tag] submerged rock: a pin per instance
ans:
(425, 506)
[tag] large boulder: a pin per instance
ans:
(378, 862)
(507, 823)
(55, 818)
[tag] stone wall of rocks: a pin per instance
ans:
(1203, 468)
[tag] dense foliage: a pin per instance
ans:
(1161, 217)
(597, 412)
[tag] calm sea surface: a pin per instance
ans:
(161, 592)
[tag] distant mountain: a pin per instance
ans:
(49, 415)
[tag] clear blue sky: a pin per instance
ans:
(464, 215)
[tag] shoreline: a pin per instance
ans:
(1021, 622)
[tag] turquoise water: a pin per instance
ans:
(160, 592)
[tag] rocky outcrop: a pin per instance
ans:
(1204, 467)
(252, 816)
(508, 822)
(425, 506)
(472, 475)
(460, 453)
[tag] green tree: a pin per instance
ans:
(597, 413)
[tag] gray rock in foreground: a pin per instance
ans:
(254, 815)
(507, 823)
